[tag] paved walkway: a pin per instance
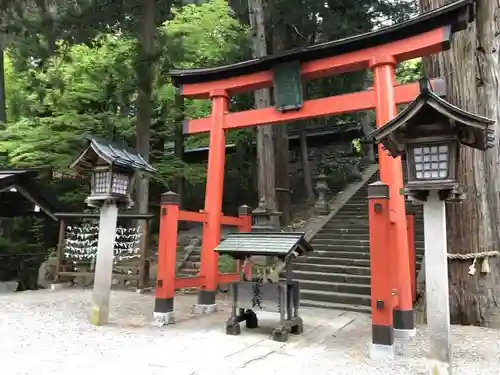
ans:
(45, 332)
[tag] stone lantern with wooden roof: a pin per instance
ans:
(112, 168)
(430, 131)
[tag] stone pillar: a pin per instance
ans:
(321, 188)
(104, 264)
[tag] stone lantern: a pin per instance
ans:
(430, 131)
(112, 170)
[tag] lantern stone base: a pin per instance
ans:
(438, 368)
(59, 286)
(322, 208)
(379, 351)
(162, 319)
(404, 334)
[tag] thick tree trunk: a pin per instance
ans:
(306, 168)
(179, 142)
(3, 105)
(281, 138)
(265, 144)
(472, 73)
(145, 73)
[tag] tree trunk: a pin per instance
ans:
(179, 142)
(306, 168)
(3, 104)
(472, 72)
(281, 145)
(265, 145)
(145, 72)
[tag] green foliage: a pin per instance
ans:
(209, 35)
(356, 144)
(409, 71)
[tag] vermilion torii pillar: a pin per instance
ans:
(379, 51)
(213, 201)
(391, 172)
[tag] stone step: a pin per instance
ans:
(332, 247)
(323, 250)
(328, 261)
(358, 215)
(347, 235)
(348, 254)
(346, 231)
(336, 306)
(327, 268)
(333, 261)
(326, 286)
(359, 220)
(329, 244)
(331, 277)
(334, 240)
(341, 234)
(340, 254)
(335, 297)
(360, 226)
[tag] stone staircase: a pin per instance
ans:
(337, 274)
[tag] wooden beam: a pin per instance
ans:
(421, 45)
(334, 105)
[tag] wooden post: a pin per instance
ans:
(213, 203)
(380, 265)
(167, 251)
(436, 285)
(144, 265)
(391, 173)
(410, 228)
(104, 264)
(59, 251)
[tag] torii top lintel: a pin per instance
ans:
(423, 35)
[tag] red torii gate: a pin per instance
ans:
(379, 51)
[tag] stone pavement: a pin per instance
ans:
(44, 332)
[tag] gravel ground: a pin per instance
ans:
(45, 332)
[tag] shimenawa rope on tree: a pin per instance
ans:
(484, 255)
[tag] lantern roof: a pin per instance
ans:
(430, 117)
(278, 244)
(16, 183)
(102, 152)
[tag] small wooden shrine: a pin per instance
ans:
(272, 255)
